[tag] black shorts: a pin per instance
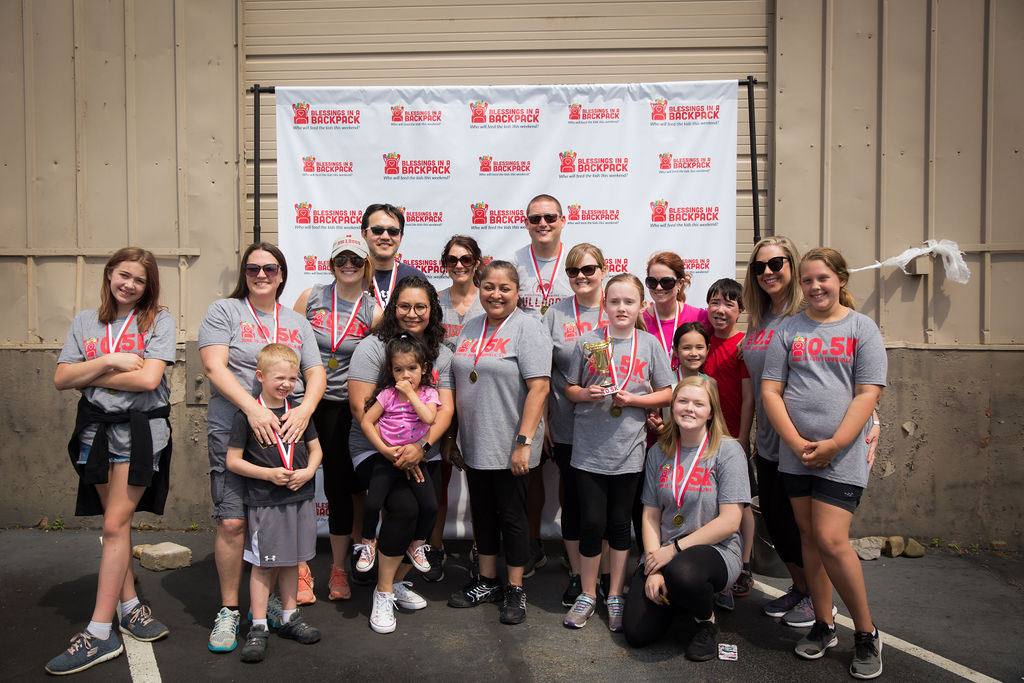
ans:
(845, 496)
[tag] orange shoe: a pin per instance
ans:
(306, 596)
(338, 583)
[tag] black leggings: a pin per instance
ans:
(497, 500)
(605, 504)
(398, 528)
(333, 420)
(570, 494)
(383, 476)
(692, 578)
(777, 512)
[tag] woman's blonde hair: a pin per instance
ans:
(668, 436)
(755, 300)
(576, 254)
(629, 279)
(835, 262)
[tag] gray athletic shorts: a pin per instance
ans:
(227, 489)
(281, 535)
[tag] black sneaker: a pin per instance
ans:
(819, 639)
(867, 655)
(255, 648)
(704, 645)
(513, 611)
(572, 591)
(477, 591)
(360, 578)
(537, 558)
(436, 557)
(298, 630)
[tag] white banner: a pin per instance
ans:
(638, 168)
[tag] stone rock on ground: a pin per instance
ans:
(869, 547)
(913, 549)
(137, 550)
(165, 555)
(893, 546)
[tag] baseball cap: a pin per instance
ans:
(349, 243)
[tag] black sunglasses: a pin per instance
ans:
(548, 218)
(253, 269)
(775, 263)
(466, 260)
(378, 231)
(342, 260)
(587, 270)
(666, 283)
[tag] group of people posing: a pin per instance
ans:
(645, 407)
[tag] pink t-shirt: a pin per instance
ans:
(400, 424)
(668, 327)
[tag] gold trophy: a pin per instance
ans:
(599, 357)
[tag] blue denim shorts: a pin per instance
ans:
(83, 457)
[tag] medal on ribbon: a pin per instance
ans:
(545, 292)
(287, 454)
(473, 376)
(678, 494)
(616, 411)
(335, 339)
(383, 300)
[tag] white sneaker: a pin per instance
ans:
(382, 617)
(367, 557)
(418, 557)
(406, 597)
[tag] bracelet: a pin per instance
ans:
(675, 543)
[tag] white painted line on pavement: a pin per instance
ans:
(890, 640)
(141, 660)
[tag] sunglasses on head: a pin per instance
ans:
(666, 283)
(466, 260)
(548, 218)
(775, 264)
(378, 230)
(253, 269)
(342, 260)
(587, 270)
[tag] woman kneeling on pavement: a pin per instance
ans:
(695, 485)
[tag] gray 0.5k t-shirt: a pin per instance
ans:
(318, 312)
(491, 409)
(721, 478)
(530, 287)
(603, 444)
(755, 352)
(87, 339)
(821, 363)
(560, 321)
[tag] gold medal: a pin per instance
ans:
(333, 363)
(543, 309)
(473, 377)
(112, 391)
(678, 519)
(616, 411)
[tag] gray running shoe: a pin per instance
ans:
(275, 611)
(820, 638)
(616, 606)
(725, 600)
(86, 650)
(867, 655)
(255, 648)
(782, 604)
(224, 636)
(140, 624)
(802, 615)
(299, 631)
(537, 558)
(580, 611)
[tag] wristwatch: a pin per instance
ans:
(523, 440)
(424, 444)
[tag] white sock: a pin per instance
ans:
(287, 615)
(260, 622)
(101, 631)
(127, 607)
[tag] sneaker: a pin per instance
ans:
(616, 606)
(867, 655)
(298, 630)
(704, 645)
(780, 605)
(406, 597)
(86, 650)
(382, 616)
(140, 624)
(477, 591)
(474, 562)
(537, 558)
(744, 583)
(580, 612)
(354, 576)
(436, 557)
(367, 557)
(338, 584)
(513, 611)
(572, 591)
(418, 557)
(820, 638)
(223, 638)
(725, 600)
(275, 611)
(255, 648)
(305, 596)
(802, 615)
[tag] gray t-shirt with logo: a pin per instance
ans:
(755, 351)
(453, 321)
(560, 321)
(603, 444)
(318, 312)
(821, 363)
(721, 478)
(491, 409)
(87, 339)
(530, 286)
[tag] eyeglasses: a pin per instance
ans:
(547, 217)
(666, 283)
(253, 269)
(775, 263)
(466, 260)
(378, 230)
(587, 270)
(344, 259)
(418, 309)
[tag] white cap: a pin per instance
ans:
(349, 243)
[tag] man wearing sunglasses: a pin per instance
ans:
(382, 228)
(540, 264)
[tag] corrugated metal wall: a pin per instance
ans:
(312, 42)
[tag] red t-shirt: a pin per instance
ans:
(729, 371)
